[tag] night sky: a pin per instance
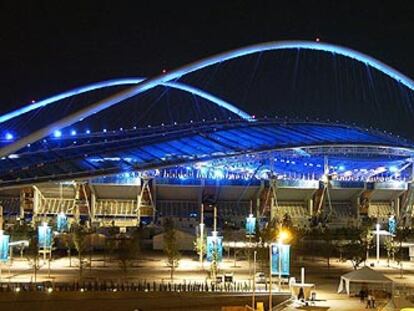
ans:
(51, 46)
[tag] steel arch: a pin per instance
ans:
(177, 73)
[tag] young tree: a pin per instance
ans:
(110, 242)
(401, 236)
(328, 248)
(366, 238)
(67, 241)
(127, 251)
(267, 234)
(79, 238)
(200, 245)
(171, 246)
(22, 231)
(355, 252)
(32, 252)
(391, 248)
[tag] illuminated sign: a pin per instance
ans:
(214, 247)
(4, 246)
(250, 225)
(392, 225)
(282, 250)
(61, 222)
(44, 236)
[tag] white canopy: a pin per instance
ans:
(364, 275)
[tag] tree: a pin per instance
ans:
(22, 231)
(227, 234)
(287, 221)
(127, 250)
(266, 235)
(67, 241)
(366, 238)
(171, 246)
(328, 248)
(110, 242)
(32, 252)
(79, 238)
(200, 245)
(401, 236)
(355, 252)
(391, 248)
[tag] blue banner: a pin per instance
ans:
(44, 236)
(284, 252)
(214, 245)
(392, 225)
(4, 247)
(251, 225)
(62, 222)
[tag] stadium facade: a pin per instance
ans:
(328, 172)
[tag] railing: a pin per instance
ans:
(139, 286)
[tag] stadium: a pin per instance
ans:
(137, 174)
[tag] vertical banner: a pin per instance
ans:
(4, 247)
(250, 225)
(62, 222)
(214, 247)
(282, 250)
(392, 225)
(44, 236)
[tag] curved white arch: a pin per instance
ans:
(177, 73)
(118, 82)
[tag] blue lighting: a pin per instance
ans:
(128, 81)
(73, 132)
(163, 79)
(88, 131)
(341, 168)
(9, 136)
(104, 130)
(57, 133)
(393, 169)
(218, 174)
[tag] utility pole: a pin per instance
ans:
(201, 236)
(254, 281)
(270, 278)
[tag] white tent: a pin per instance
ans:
(365, 275)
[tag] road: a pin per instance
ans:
(126, 301)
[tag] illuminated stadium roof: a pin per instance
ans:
(239, 147)
(102, 153)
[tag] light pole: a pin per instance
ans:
(279, 252)
(201, 236)
(254, 281)
(377, 226)
(270, 277)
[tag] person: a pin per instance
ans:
(369, 301)
(373, 301)
(362, 295)
(301, 294)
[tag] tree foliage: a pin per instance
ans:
(171, 246)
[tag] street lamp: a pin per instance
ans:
(377, 227)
